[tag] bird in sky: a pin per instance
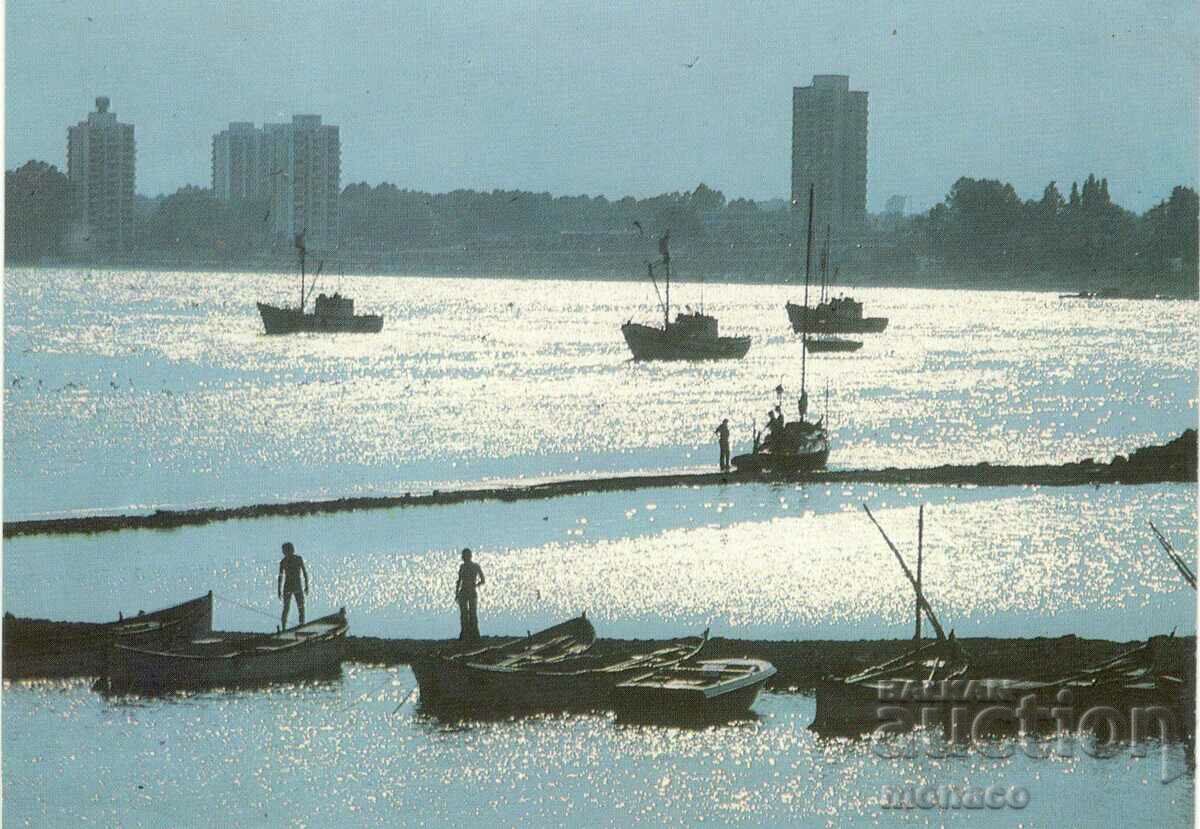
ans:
(695, 60)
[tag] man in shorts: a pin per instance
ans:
(291, 568)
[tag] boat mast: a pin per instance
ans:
(667, 306)
(807, 266)
(825, 265)
(299, 242)
(665, 250)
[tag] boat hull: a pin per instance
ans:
(650, 343)
(832, 346)
(580, 683)
(41, 648)
(781, 463)
(231, 663)
(662, 696)
(832, 325)
(293, 321)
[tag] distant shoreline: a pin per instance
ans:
(694, 266)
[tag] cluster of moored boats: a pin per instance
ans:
(559, 668)
(172, 648)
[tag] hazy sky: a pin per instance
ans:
(594, 97)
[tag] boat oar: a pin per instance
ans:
(401, 705)
(933, 620)
(1176, 559)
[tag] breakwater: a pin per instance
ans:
(803, 664)
(1172, 462)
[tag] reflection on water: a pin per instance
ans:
(753, 561)
(132, 389)
(340, 754)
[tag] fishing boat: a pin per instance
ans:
(709, 688)
(821, 342)
(572, 682)
(331, 314)
(45, 648)
(692, 336)
(313, 649)
(838, 315)
(801, 445)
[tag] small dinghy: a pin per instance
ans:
(707, 689)
(309, 650)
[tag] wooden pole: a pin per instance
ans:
(1176, 559)
(920, 555)
(933, 620)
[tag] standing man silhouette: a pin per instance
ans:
(723, 439)
(470, 577)
(291, 568)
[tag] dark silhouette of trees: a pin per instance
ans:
(981, 230)
(37, 205)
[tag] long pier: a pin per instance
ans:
(1174, 462)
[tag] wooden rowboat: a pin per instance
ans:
(44, 648)
(310, 650)
(583, 681)
(710, 688)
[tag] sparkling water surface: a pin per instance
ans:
(751, 561)
(359, 751)
(128, 390)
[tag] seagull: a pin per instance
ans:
(695, 60)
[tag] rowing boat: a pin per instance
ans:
(583, 681)
(45, 648)
(309, 650)
(856, 704)
(709, 688)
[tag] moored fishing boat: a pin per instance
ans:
(838, 315)
(308, 650)
(832, 315)
(692, 336)
(44, 648)
(331, 314)
(802, 445)
(574, 682)
(709, 688)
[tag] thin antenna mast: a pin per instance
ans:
(807, 269)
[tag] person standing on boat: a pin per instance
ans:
(722, 432)
(291, 568)
(470, 577)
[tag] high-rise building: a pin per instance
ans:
(829, 151)
(101, 157)
(241, 159)
(295, 167)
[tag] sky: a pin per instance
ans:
(599, 98)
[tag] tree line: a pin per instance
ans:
(981, 226)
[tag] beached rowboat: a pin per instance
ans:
(555, 681)
(706, 689)
(308, 650)
(44, 648)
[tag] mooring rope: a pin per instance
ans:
(270, 616)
